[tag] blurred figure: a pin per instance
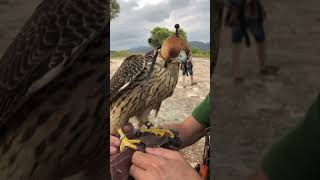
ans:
(187, 70)
(246, 15)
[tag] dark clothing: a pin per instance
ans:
(254, 27)
(187, 68)
(243, 17)
(254, 11)
(297, 156)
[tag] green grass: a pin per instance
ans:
(199, 53)
(120, 54)
(202, 55)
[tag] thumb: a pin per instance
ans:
(165, 153)
(128, 128)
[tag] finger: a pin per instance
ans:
(114, 141)
(145, 161)
(113, 150)
(165, 153)
(127, 128)
(137, 172)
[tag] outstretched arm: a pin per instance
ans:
(190, 130)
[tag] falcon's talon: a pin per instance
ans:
(158, 132)
(125, 142)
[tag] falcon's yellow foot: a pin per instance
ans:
(125, 142)
(157, 131)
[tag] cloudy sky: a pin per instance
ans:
(137, 17)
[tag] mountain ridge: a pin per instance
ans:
(193, 44)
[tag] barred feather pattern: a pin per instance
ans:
(57, 32)
(59, 129)
(137, 100)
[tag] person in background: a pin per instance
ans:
(246, 15)
(187, 70)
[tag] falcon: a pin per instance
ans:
(141, 83)
(52, 93)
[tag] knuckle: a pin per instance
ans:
(157, 165)
(134, 157)
(162, 162)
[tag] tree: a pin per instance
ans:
(114, 9)
(158, 35)
(195, 50)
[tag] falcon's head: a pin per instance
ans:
(175, 49)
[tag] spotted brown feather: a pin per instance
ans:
(55, 34)
(130, 68)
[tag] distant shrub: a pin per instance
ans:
(122, 54)
(199, 53)
(195, 53)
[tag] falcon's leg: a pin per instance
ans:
(157, 131)
(149, 124)
(143, 120)
(125, 142)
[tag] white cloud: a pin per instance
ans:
(137, 17)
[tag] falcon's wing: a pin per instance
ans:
(130, 68)
(55, 35)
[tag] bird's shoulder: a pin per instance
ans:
(48, 43)
(131, 67)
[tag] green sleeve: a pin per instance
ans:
(202, 112)
(297, 156)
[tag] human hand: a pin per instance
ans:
(161, 164)
(115, 140)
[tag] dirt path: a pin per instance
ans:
(182, 102)
(252, 116)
